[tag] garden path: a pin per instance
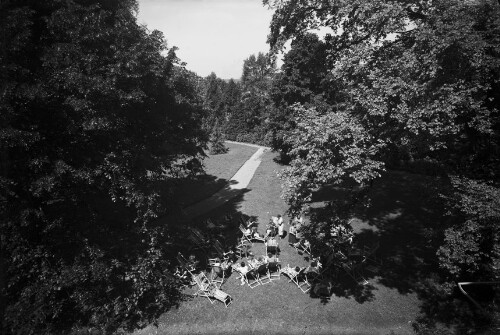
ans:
(236, 184)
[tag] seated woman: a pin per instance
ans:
(242, 269)
(193, 262)
(270, 258)
(252, 262)
(292, 239)
(281, 228)
(313, 268)
(291, 272)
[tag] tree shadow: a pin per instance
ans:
(404, 215)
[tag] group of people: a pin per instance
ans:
(254, 263)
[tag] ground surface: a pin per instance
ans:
(388, 304)
(219, 169)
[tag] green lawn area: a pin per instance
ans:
(218, 170)
(387, 305)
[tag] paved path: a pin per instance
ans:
(235, 186)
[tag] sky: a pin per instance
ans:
(212, 35)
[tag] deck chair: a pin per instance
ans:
(199, 239)
(298, 278)
(204, 286)
(246, 236)
(272, 246)
(274, 269)
(370, 253)
(185, 263)
(355, 271)
(303, 247)
(217, 275)
(218, 295)
(252, 278)
(242, 248)
(220, 250)
(264, 276)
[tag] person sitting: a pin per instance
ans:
(292, 239)
(193, 262)
(252, 262)
(257, 236)
(292, 272)
(303, 245)
(277, 220)
(242, 269)
(313, 268)
(281, 228)
(270, 258)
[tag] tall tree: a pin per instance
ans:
(413, 80)
(92, 138)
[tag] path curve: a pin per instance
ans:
(234, 187)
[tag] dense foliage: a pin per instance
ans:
(397, 83)
(96, 125)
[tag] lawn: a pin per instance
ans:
(387, 305)
(218, 170)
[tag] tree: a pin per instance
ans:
(416, 81)
(217, 140)
(93, 135)
(302, 79)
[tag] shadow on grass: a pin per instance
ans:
(402, 214)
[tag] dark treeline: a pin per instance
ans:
(96, 128)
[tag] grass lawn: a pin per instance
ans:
(381, 307)
(219, 169)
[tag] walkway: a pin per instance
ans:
(237, 183)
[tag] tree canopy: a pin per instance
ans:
(95, 129)
(401, 82)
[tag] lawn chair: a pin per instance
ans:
(303, 247)
(370, 253)
(274, 270)
(185, 263)
(298, 278)
(199, 239)
(272, 246)
(220, 250)
(217, 294)
(252, 278)
(217, 275)
(246, 236)
(204, 286)
(242, 248)
(263, 271)
(355, 271)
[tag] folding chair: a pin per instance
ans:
(242, 248)
(217, 275)
(252, 278)
(246, 236)
(221, 296)
(263, 271)
(220, 250)
(274, 270)
(298, 278)
(303, 247)
(204, 286)
(370, 253)
(272, 246)
(199, 239)
(355, 271)
(185, 263)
